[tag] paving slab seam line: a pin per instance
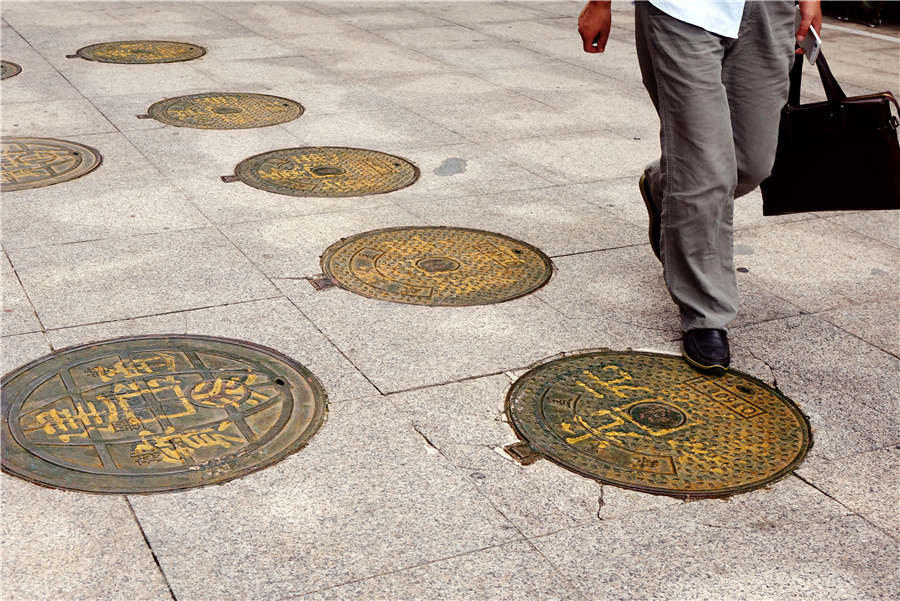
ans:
(125, 237)
(449, 382)
(25, 292)
(845, 506)
(865, 34)
(150, 547)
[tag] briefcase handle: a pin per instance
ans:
(833, 90)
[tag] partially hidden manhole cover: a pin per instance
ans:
(438, 266)
(326, 171)
(36, 162)
(149, 414)
(138, 52)
(649, 422)
(217, 110)
(8, 69)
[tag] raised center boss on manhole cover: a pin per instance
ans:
(155, 413)
(437, 266)
(37, 162)
(649, 422)
(140, 52)
(225, 110)
(8, 69)
(326, 171)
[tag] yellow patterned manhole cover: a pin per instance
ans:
(140, 52)
(8, 69)
(36, 162)
(156, 413)
(437, 266)
(326, 171)
(649, 422)
(218, 110)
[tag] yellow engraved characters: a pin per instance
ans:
(177, 447)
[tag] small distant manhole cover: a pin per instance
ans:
(326, 171)
(438, 266)
(8, 69)
(649, 422)
(225, 110)
(36, 162)
(150, 414)
(139, 52)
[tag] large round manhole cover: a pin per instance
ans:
(216, 110)
(8, 69)
(36, 162)
(327, 171)
(138, 52)
(649, 422)
(438, 266)
(150, 414)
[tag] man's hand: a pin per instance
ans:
(594, 23)
(810, 16)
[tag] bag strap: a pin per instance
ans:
(833, 90)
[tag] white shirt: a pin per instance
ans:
(722, 17)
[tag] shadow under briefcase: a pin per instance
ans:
(841, 154)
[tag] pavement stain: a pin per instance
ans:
(451, 166)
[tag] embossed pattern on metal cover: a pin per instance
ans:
(225, 110)
(141, 52)
(37, 162)
(155, 413)
(649, 422)
(437, 266)
(8, 69)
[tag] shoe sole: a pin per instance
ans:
(653, 228)
(715, 369)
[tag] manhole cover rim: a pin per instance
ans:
(158, 105)
(537, 448)
(252, 183)
(81, 171)
(316, 422)
(81, 52)
(14, 69)
(324, 262)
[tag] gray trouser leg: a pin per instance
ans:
(719, 101)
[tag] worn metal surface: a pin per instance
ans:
(8, 69)
(36, 162)
(327, 171)
(649, 422)
(149, 414)
(139, 52)
(438, 266)
(223, 110)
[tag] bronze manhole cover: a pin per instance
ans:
(217, 110)
(36, 162)
(326, 171)
(8, 69)
(139, 52)
(438, 266)
(155, 413)
(649, 422)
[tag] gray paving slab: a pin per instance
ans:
(423, 38)
(274, 323)
(155, 80)
(20, 349)
(18, 313)
(876, 323)
(53, 118)
(426, 93)
(377, 20)
(56, 545)
(281, 75)
(38, 81)
(487, 13)
(884, 226)
(485, 57)
(362, 499)
(278, 19)
(370, 59)
(141, 275)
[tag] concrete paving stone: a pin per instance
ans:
(556, 220)
(577, 158)
(279, 75)
(620, 111)
(314, 43)
(714, 550)
(37, 82)
(73, 546)
(864, 52)
(124, 196)
(618, 63)
(20, 349)
(554, 79)
(512, 571)
(818, 265)
(277, 19)
(122, 111)
(363, 498)
(444, 36)
(791, 500)
(221, 52)
(131, 277)
(544, 29)
(274, 323)
(876, 323)
(362, 60)
(329, 7)
(155, 80)
(884, 226)
(866, 483)
(422, 92)
(485, 56)
(18, 314)
(340, 96)
(377, 20)
(481, 12)
(140, 13)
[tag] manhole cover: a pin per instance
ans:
(649, 422)
(8, 69)
(438, 266)
(225, 111)
(36, 162)
(140, 52)
(326, 171)
(155, 413)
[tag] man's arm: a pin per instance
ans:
(595, 21)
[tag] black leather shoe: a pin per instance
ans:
(653, 231)
(706, 349)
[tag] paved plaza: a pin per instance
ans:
(406, 492)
